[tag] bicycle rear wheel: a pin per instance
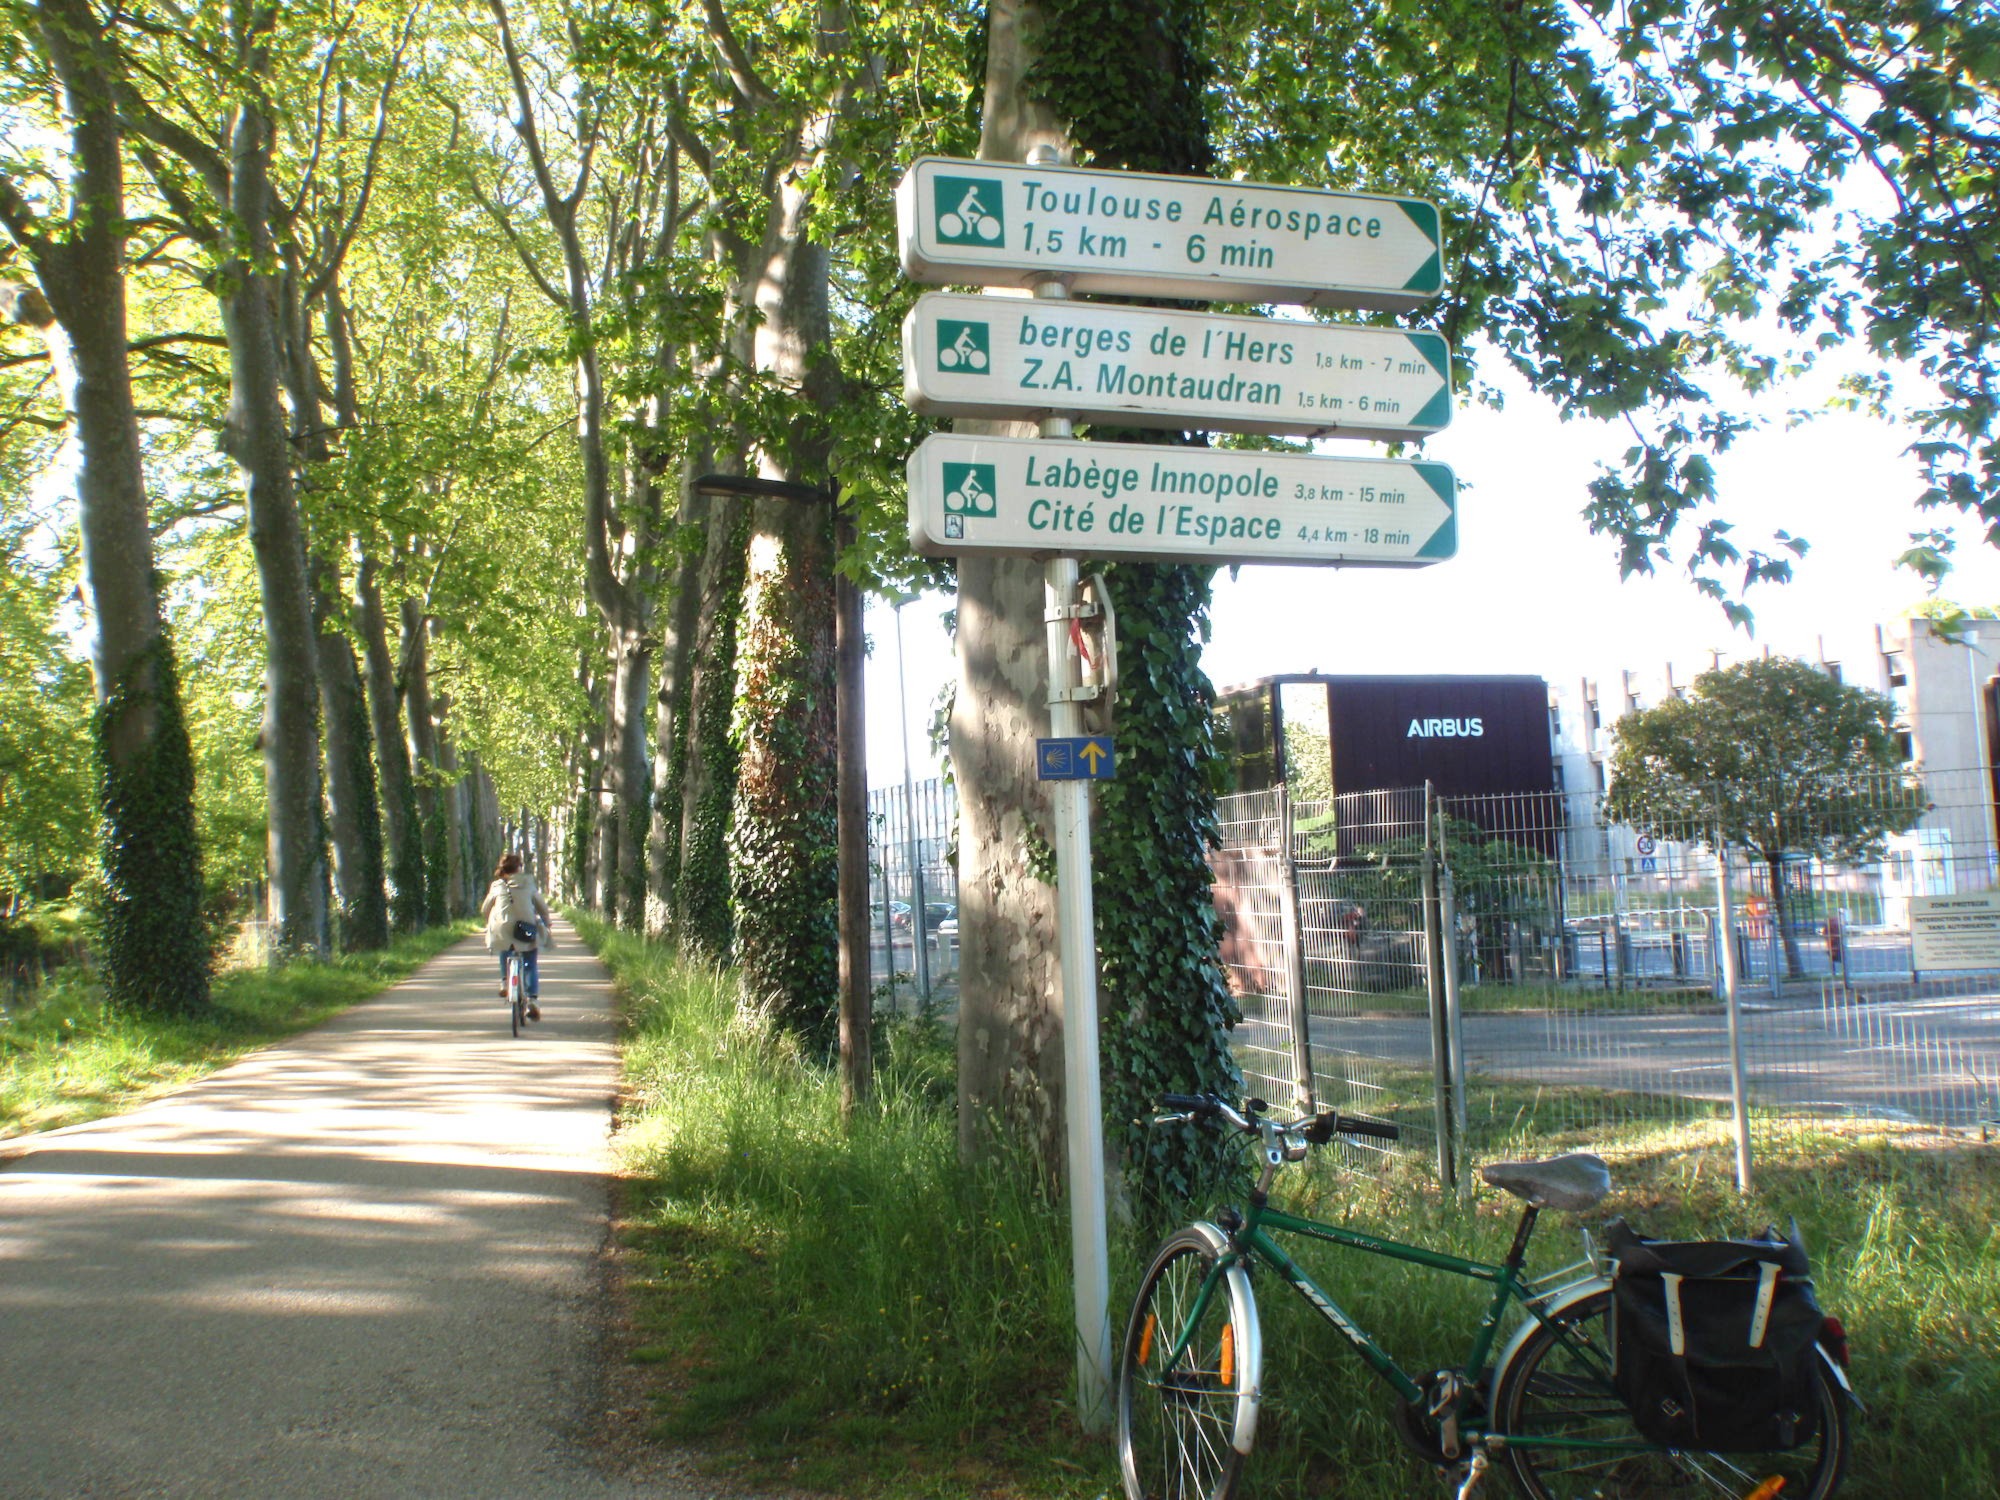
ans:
(516, 1006)
(1178, 1419)
(1560, 1387)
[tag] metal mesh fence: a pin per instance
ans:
(913, 895)
(1565, 975)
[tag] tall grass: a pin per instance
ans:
(845, 1303)
(66, 1057)
(855, 1310)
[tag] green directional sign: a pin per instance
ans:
(1046, 497)
(973, 356)
(1138, 233)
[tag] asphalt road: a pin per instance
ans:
(367, 1262)
(1931, 1060)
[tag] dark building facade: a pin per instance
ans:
(1327, 738)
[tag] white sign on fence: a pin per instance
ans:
(1955, 932)
(984, 223)
(1042, 497)
(972, 356)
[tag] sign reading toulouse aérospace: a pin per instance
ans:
(988, 223)
(1042, 497)
(971, 356)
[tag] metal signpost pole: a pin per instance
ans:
(1076, 928)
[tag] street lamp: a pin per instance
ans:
(857, 1062)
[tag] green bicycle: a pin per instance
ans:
(1190, 1372)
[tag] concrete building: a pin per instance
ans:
(1947, 695)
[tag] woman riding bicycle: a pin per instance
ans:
(517, 921)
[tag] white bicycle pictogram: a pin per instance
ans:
(971, 219)
(970, 497)
(962, 350)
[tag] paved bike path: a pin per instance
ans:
(364, 1262)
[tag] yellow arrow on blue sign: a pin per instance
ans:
(1080, 758)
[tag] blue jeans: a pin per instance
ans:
(531, 978)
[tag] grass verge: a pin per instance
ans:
(851, 1310)
(66, 1058)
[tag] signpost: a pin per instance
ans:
(1036, 498)
(1057, 230)
(969, 356)
(986, 223)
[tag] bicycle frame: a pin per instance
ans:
(1253, 1242)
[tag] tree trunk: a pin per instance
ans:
(418, 714)
(402, 818)
(256, 436)
(631, 690)
(1781, 914)
(670, 720)
(707, 926)
(155, 951)
(459, 874)
(354, 816)
(1010, 1058)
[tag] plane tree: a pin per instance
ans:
(1775, 757)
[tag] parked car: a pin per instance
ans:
(899, 916)
(939, 911)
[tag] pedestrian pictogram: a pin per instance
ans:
(968, 211)
(1080, 758)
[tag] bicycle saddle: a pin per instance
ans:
(1576, 1181)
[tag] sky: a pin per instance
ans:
(1531, 591)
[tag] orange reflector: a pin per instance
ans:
(1768, 1490)
(1229, 1354)
(1146, 1338)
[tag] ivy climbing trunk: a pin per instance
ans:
(783, 846)
(1010, 1058)
(1166, 1007)
(154, 951)
(707, 920)
(671, 717)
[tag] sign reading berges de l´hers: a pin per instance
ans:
(984, 356)
(1043, 496)
(1140, 234)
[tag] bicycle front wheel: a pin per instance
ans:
(1185, 1421)
(1558, 1390)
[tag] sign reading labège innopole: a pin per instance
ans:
(973, 356)
(1004, 224)
(1042, 496)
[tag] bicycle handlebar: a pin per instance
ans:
(1318, 1129)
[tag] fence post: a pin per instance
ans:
(1441, 1084)
(1454, 1017)
(1293, 932)
(1739, 1098)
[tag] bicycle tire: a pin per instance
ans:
(1184, 1432)
(516, 1009)
(1565, 1382)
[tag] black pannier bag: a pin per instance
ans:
(1713, 1340)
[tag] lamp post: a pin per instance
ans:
(857, 1062)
